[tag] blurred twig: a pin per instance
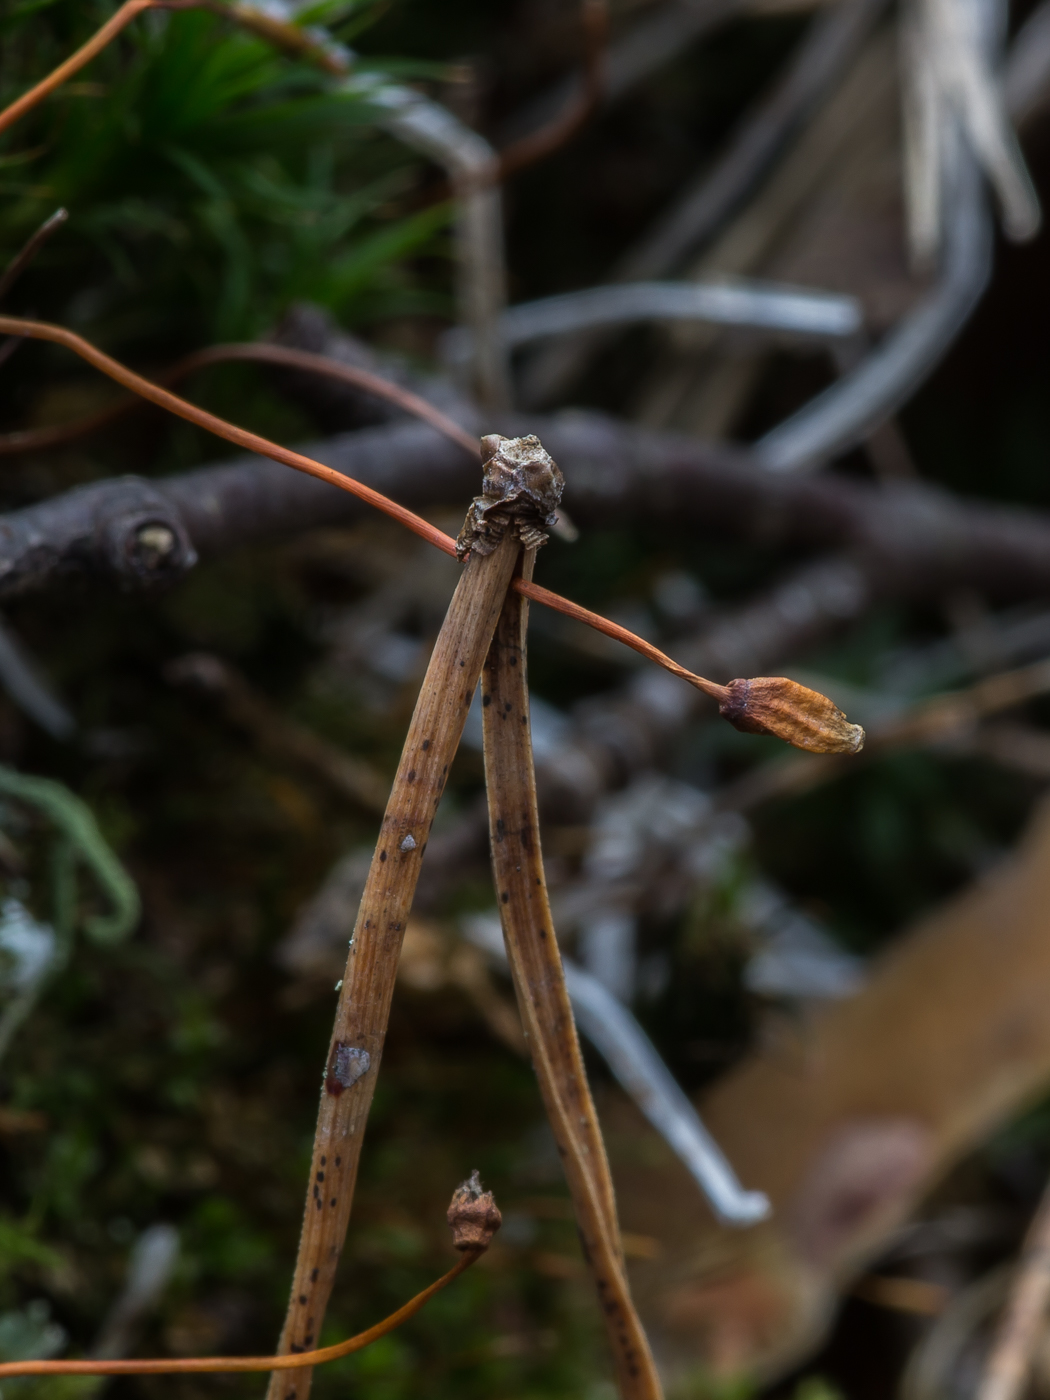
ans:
(579, 107)
(21, 260)
(152, 1262)
(634, 1060)
(832, 41)
(21, 678)
(350, 777)
(163, 398)
(953, 79)
(1020, 1328)
(656, 39)
(708, 200)
(754, 304)
(58, 335)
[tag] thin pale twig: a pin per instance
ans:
(22, 259)
(1020, 1330)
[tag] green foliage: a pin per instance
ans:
(210, 181)
(817, 1388)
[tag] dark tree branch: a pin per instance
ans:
(906, 539)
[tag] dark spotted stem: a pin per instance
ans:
(368, 983)
(539, 982)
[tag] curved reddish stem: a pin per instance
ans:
(161, 1366)
(75, 62)
(58, 335)
(37, 439)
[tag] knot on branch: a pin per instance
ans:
(520, 491)
(141, 537)
(473, 1215)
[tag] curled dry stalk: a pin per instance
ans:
(474, 1219)
(539, 982)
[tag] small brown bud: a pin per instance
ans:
(473, 1215)
(774, 705)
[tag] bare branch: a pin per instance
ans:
(904, 540)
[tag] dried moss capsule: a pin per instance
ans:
(803, 717)
(473, 1215)
(521, 490)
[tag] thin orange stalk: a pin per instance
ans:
(618, 634)
(765, 705)
(75, 62)
(58, 335)
(35, 439)
(44, 330)
(565, 124)
(181, 1365)
(283, 36)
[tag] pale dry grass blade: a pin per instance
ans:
(543, 1000)
(368, 983)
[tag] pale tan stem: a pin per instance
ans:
(1020, 1328)
(368, 983)
(539, 982)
